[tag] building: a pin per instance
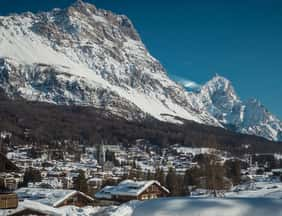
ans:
(6, 165)
(276, 172)
(55, 197)
(95, 183)
(133, 190)
(10, 181)
(8, 201)
(28, 207)
(108, 166)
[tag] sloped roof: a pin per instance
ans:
(50, 197)
(127, 188)
(33, 206)
(6, 164)
(71, 194)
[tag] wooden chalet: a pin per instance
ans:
(29, 207)
(8, 201)
(55, 197)
(133, 190)
(76, 198)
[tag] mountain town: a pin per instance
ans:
(92, 124)
(98, 179)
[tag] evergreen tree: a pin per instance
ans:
(31, 175)
(159, 176)
(214, 174)
(187, 182)
(171, 181)
(2, 185)
(149, 175)
(110, 156)
(233, 170)
(80, 182)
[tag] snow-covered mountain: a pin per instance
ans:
(220, 100)
(87, 56)
(82, 55)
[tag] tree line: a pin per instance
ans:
(50, 125)
(209, 174)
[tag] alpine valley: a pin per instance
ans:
(91, 57)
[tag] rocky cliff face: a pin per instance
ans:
(87, 56)
(220, 100)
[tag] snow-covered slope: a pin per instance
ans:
(220, 100)
(91, 57)
(257, 189)
(185, 206)
(82, 55)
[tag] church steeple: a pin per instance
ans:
(101, 154)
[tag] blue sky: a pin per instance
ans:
(241, 39)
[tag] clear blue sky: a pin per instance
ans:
(241, 39)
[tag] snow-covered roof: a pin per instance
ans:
(48, 210)
(50, 197)
(127, 188)
(34, 206)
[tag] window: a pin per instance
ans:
(153, 196)
(144, 197)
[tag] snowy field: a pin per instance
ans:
(260, 198)
(256, 190)
(202, 207)
(176, 206)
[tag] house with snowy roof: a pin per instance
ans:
(54, 197)
(132, 190)
(28, 207)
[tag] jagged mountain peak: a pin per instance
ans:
(220, 100)
(83, 7)
(79, 3)
(222, 84)
(219, 94)
(92, 57)
(89, 13)
(219, 78)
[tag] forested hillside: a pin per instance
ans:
(48, 124)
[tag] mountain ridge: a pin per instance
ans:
(248, 116)
(86, 56)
